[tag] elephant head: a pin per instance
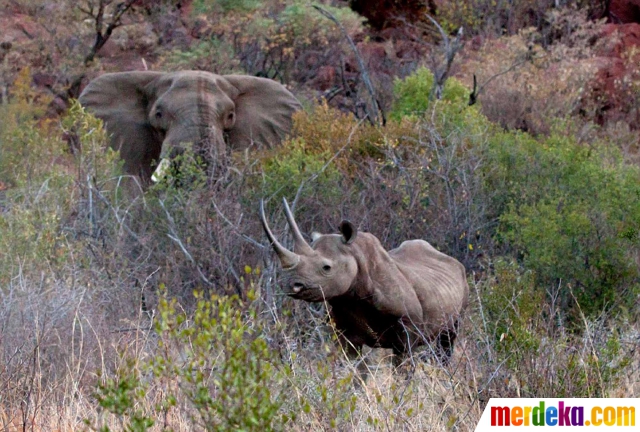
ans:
(153, 115)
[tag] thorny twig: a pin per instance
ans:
(235, 227)
(176, 239)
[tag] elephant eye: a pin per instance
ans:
(158, 114)
(229, 120)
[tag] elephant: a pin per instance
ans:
(151, 116)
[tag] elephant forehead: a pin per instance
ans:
(196, 81)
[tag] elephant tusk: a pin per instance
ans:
(161, 170)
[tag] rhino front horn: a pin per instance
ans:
(288, 259)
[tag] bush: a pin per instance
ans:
(528, 335)
(216, 359)
(484, 15)
(210, 55)
(301, 166)
(413, 94)
(55, 197)
(528, 83)
(570, 212)
(285, 41)
(220, 359)
(573, 213)
(225, 6)
(119, 397)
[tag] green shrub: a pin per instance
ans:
(527, 334)
(569, 212)
(222, 362)
(211, 55)
(573, 212)
(120, 398)
(304, 24)
(265, 38)
(300, 165)
(491, 16)
(413, 94)
(225, 6)
(512, 306)
(49, 187)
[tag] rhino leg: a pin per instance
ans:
(361, 364)
(399, 356)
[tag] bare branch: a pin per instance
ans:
(86, 11)
(473, 97)
(236, 230)
(98, 17)
(450, 49)
(377, 113)
(444, 36)
(173, 235)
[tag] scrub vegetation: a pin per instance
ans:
(162, 311)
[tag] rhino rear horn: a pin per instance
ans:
(301, 245)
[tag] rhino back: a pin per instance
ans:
(439, 282)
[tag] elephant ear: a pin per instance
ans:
(263, 111)
(121, 100)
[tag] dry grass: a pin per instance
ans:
(49, 384)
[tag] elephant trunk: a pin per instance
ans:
(204, 139)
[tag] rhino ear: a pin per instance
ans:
(263, 111)
(348, 231)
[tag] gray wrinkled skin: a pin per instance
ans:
(150, 115)
(398, 299)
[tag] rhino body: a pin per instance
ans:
(397, 299)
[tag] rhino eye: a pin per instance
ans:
(326, 267)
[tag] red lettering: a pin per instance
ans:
(563, 414)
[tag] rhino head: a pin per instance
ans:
(321, 271)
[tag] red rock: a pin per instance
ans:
(625, 36)
(614, 68)
(624, 11)
(390, 13)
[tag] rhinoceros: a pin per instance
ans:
(398, 299)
